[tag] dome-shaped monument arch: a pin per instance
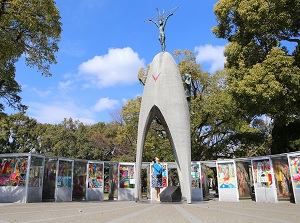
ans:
(164, 97)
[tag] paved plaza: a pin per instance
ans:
(148, 211)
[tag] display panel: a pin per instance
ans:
(282, 176)
(95, 175)
(13, 171)
(36, 172)
(49, 179)
(126, 176)
(165, 176)
(195, 173)
(113, 179)
(64, 174)
(262, 173)
(295, 170)
(79, 179)
(244, 179)
(226, 175)
(205, 181)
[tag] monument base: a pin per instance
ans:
(171, 194)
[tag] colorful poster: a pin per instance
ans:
(243, 179)
(195, 172)
(282, 176)
(262, 173)
(64, 174)
(50, 172)
(295, 170)
(126, 176)
(226, 175)
(35, 176)
(36, 172)
(95, 175)
(13, 171)
(165, 176)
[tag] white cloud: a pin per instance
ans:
(64, 85)
(119, 66)
(212, 55)
(39, 93)
(67, 75)
(36, 92)
(105, 104)
(124, 101)
(56, 112)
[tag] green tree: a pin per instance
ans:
(73, 139)
(65, 139)
(128, 128)
(18, 134)
(208, 99)
(4, 134)
(83, 142)
(46, 141)
(263, 68)
(157, 143)
(286, 137)
(218, 126)
(103, 141)
(30, 28)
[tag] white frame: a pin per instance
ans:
(296, 191)
(63, 194)
(228, 194)
(270, 194)
(90, 193)
(126, 193)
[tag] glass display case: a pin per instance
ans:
(79, 180)
(244, 179)
(263, 179)
(13, 170)
(282, 177)
(294, 165)
(196, 185)
(113, 180)
(126, 181)
(95, 181)
(64, 180)
(21, 177)
(49, 178)
(35, 181)
(227, 182)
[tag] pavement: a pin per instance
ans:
(150, 211)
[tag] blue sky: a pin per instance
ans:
(103, 45)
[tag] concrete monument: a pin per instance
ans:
(164, 97)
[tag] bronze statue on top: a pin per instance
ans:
(161, 23)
